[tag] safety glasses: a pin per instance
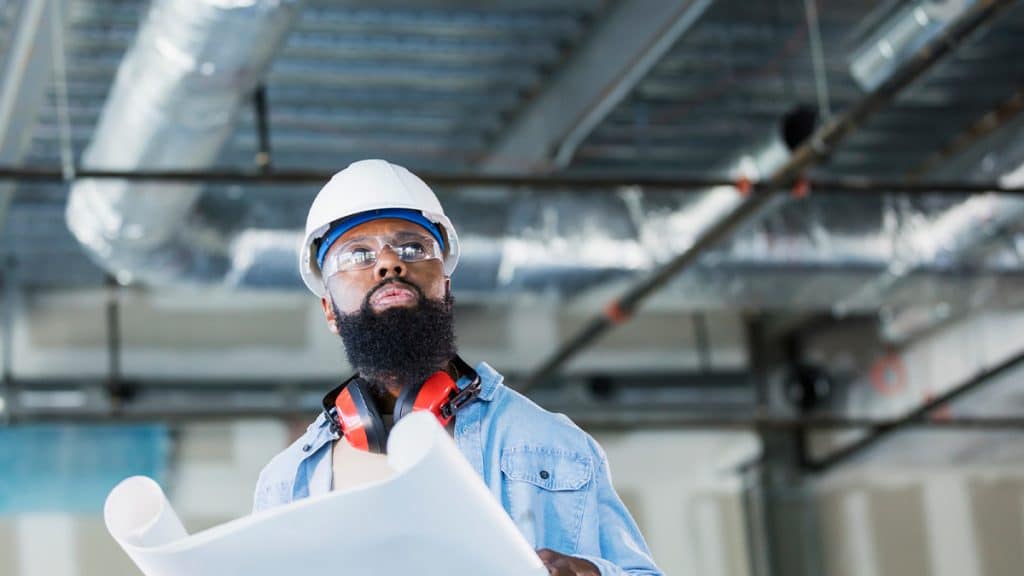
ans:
(362, 252)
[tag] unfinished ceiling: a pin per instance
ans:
(448, 86)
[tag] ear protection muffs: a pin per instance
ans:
(431, 395)
(358, 419)
(352, 412)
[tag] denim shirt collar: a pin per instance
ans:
(319, 433)
(490, 381)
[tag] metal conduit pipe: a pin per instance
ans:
(173, 104)
(822, 143)
(542, 183)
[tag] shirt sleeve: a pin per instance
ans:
(259, 500)
(264, 496)
(612, 540)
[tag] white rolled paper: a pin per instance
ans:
(434, 517)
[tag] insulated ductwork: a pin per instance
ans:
(902, 29)
(623, 235)
(959, 234)
(172, 106)
(574, 240)
(758, 164)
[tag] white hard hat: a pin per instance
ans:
(366, 186)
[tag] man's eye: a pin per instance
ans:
(413, 249)
(358, 255)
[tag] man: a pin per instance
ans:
(379, 252)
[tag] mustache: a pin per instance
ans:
(420, 297)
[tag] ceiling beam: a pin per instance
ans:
(24, 72)
(628, 41)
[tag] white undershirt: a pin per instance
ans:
(352, 467)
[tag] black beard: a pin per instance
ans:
(399, 345)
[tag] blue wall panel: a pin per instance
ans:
(72, 468)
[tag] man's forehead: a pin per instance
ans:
(382, 227)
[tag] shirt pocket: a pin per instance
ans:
(545, 491)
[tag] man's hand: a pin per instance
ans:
(562, 565)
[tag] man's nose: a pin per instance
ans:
(389, 264)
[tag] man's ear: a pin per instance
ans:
(332, 320)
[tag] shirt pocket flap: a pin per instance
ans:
(547, 468)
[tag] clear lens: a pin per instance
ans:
(361, 253)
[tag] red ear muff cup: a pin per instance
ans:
(434, 394)
(431, 395)
(351, 422)
(361, 424)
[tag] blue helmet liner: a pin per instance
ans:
(346, 224)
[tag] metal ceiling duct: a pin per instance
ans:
(903, 28)
(573, 241)
(947, 239)
(172, 106)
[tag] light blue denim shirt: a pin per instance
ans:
(550, 476)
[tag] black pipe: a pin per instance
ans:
(914, 418)
(819, 146)
(259, 101)
(113, 328)
(593, 182)
(654, 418)
(988, 123)
(8, 388)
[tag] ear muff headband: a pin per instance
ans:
(406, 400)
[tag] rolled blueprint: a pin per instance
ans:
(433, 517)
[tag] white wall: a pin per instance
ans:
(936, 521)
(683, 492)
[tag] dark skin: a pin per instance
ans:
(562, 565)
(348, 290)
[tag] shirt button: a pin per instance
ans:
(544, 475)
(306, 447)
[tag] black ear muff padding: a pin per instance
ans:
(406, 401)
(376, 433)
